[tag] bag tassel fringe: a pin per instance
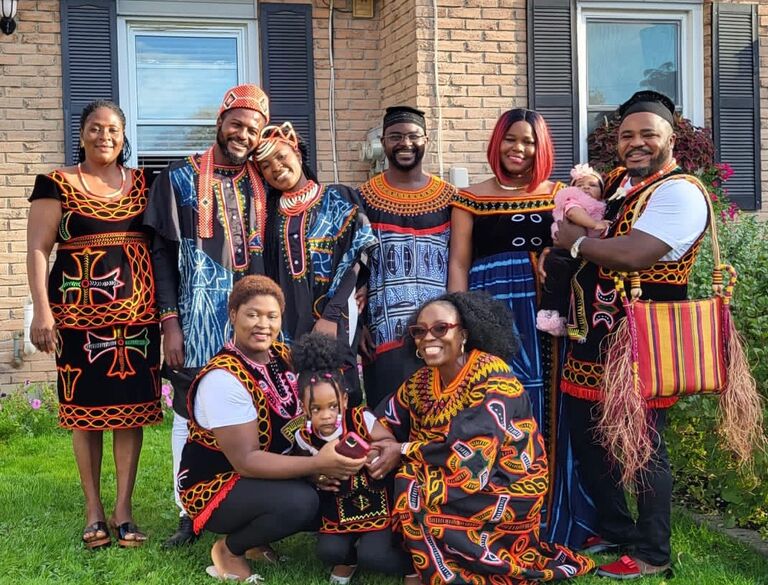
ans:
(740, 407)
(623, 426)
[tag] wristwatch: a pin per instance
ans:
(576, 245)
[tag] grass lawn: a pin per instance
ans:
(41, 520)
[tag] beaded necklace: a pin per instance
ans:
(509, 187)
(621, 192)
(299, 201)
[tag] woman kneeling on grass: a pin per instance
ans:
(474, 473)
(236, 477)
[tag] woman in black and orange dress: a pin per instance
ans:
(96, 310)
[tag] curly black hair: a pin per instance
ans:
(489, 322)
(316, 358)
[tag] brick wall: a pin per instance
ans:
(357, 82)
(31, 142)
(482, 72)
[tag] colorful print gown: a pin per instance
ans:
(102, 294)
(474, 477)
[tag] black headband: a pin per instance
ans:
(649, 101)
(398, 114)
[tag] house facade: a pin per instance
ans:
(333, 66)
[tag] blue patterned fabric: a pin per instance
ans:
(204, 287)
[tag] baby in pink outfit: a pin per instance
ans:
(582, 203)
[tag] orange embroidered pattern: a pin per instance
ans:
(118, 416)
(381, 195)
(127, 206)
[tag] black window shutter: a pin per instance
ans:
(287, 67)
(736, 99)
(552, 77)
(89, 62)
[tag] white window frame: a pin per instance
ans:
(688, 15)
(245, 32)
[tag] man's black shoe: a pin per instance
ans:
(183, 535)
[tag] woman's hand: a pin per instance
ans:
(334, 465)
(42, 331)
(388, 459)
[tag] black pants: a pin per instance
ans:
(261, 511)
(379, 551)
(601, 474)
(556, 292)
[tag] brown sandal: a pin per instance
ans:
(128, 534)
(95, 541)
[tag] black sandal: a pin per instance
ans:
(95, 541)
(138, 538)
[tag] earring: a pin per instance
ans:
(309, 426)
(234, 337)
(338, 420)
(418, 355)
(463, 343)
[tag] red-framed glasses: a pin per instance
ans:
(437, 330)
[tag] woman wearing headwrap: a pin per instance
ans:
(317, 245)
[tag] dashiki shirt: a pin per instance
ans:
(320, 248)
(102, 295)
(205, 474)
(362, 503)
(474, 477)
(408, 268)
(195, 274)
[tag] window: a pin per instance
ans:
(172, 79)
(624, 47)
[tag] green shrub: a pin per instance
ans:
(31, 409)
(706, 477)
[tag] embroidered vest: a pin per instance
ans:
(362, 503)
(596, 308)
(205, 474)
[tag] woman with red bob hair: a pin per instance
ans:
(499, 227)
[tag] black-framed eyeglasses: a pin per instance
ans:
(437, 330)
(397, 137)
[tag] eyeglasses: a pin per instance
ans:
(396, 137)
(437, 330)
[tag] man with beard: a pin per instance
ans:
(410, 215)
(659, 215)
(207, 214)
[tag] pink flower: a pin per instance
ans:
(35, 403)
(726, 171)
(27, 383)
(168, 401)
(166, 389)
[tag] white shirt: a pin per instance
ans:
(676, 214)
(222, 401)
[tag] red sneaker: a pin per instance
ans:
(597, 544)
(629, 568)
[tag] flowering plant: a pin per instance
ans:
(30, 409)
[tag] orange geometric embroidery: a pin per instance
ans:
(69, 377)
(117, 416)
(379, 194)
